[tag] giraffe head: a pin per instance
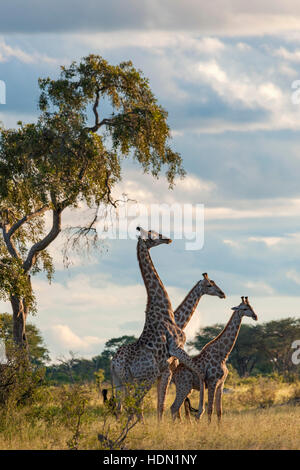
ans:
(209, 287)
(245, 309)
(152, 238)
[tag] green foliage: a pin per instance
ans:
(112, 345)
(136, 122)
(99, 378)
(70, 157)
(19, 380)
(233, 376)
(73, 401)
(250, 421)
(114, 438)
(13, 281)
(261, 393)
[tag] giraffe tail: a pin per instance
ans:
(112, 380)
(187, 402)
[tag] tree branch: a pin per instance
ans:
(45, 242)
(113, 203)
(9, 243)
(96, 126)
(25, 219)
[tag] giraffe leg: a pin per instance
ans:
(187, 405)
(175, 408)
(219, 393)
(211, 397)
(117, 391)
(201, 400)
(183, 389)
(138, 394)
(162, 387)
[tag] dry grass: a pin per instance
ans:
(256, 416)
(273, 428)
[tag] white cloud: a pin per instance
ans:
(67, 340)
(285, 69)
(243, 88)
(285, 241)
(292, 56)
(274, 208)
(7, 52)
(242, 46)
(259, 288)
(146, 190)
(156, 41)
(294, 276)
(232, 243)
(269, 241)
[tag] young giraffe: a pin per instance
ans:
(146, 359)
(212, 358)
(183, 315)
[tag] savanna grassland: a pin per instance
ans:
(258, 413)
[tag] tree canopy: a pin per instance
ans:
(91, 117)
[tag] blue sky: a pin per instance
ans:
(225, 76)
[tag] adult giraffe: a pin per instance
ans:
(211, 359)
(183, 315)
(145, 360)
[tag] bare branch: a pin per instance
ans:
(45, 242)
(113, 203)
(96, 126)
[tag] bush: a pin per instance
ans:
(261, 393)
(19, 379)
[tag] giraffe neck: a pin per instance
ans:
(227, 338)
(154, 286)
(186, 309)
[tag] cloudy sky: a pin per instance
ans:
(227, 73)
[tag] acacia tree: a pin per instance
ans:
(72, 155)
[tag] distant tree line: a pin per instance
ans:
(260, 349)
(83, 370)
(38, 352)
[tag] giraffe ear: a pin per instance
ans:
(234, 308)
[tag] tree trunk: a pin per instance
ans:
(19, 322)
(20, 310)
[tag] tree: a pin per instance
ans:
(39, 354)
(278, 337)
(72, 155)
(112, 345)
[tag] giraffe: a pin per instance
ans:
(145, 360)
(183, 315)
(212, 358)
